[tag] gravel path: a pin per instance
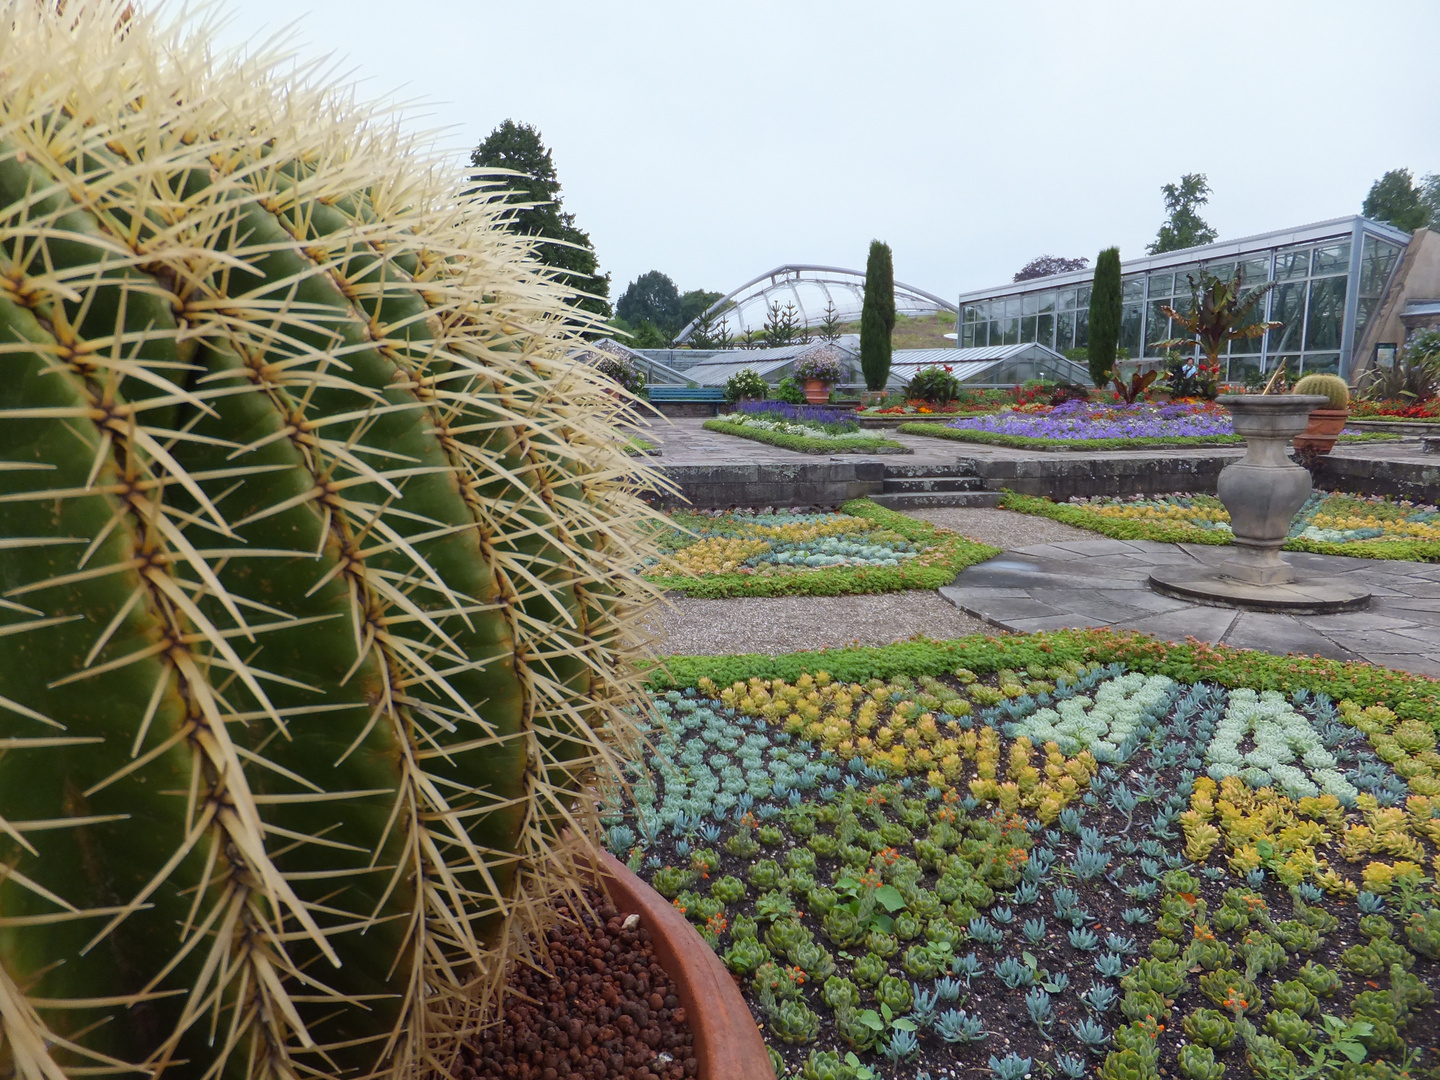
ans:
(783, 624)
(1002, 528)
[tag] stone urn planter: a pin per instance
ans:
(1321, 432)
(1262, 491)
(817, 392)
(727, 1043)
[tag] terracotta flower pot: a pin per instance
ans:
(727, 1044)
(1324, 428)
(817, 392)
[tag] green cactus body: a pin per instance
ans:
(315, 562)
(1330, 386)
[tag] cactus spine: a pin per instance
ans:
(317, 563)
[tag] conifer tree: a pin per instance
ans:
(877, 317)
(539, 211)
(1104, 315)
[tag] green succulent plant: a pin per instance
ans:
(1139, 1004)
(1211, 1027)
(772, 980)
(1289, 1027)
(839, 991)
(318, 563)
(919, 963)
(843, 925)
(1319, 979)
(855, 1026)
(786, 934)
(1422, 931)
(671, 881)
(745, 955)
(1198, 1063)
(795, 1022)
(1295, 996)
(870, 969)
(814, 959)
(895, 993)
(825, 1065)
(1127, 1065)
(1165, 978)
(728, 889)
(765, 874)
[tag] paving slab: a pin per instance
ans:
(1104, 583)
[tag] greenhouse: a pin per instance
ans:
(1330, 277)
(992, 365)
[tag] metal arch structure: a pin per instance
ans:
(823, 284)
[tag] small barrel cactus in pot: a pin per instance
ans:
(317, 559)
(1329, 386)
(1326, 424)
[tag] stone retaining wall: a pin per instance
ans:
(817, 483)
(830, 483)
(1066, 477)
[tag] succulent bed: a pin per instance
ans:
(777, 552)
(1330, 523)
(1052, 869)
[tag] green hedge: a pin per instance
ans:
(1408, 695)
(1029, 442)
(845, 444)
(1174, 532)
(958, 554)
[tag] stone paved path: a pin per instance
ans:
(1102, 583)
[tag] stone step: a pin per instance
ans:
(907, 470)
(932, 483)
(925, 500)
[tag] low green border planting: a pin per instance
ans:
(1408, 695)
(1029, 442)
(845, 444)
(1173, 532)
(958, 554)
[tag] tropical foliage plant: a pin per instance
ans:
(1220, 312)
(316, 555)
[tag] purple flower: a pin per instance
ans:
(1089, 420)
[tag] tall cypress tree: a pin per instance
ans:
(877, 317)
(1104, 315)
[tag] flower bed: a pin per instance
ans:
(1330, 523)
(998, 853)
(1361, 409)
(1079, 425)
(865, 549)
(803, 436)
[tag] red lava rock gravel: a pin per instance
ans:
(608, 1011)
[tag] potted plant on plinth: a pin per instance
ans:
(1326, 422)
(819, 370)
(745, 385)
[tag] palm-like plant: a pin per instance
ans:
(1219, 313)
(316, 561)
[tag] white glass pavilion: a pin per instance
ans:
(1330, 277)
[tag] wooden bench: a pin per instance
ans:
(687, 400)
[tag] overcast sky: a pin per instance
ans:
(716, 141)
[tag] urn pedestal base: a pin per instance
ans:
(1214, 587)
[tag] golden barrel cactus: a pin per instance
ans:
(317, 558)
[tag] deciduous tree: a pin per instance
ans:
(1049, 265)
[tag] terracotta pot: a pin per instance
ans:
(817, 392)
(727, 1044)
(1324, 428)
